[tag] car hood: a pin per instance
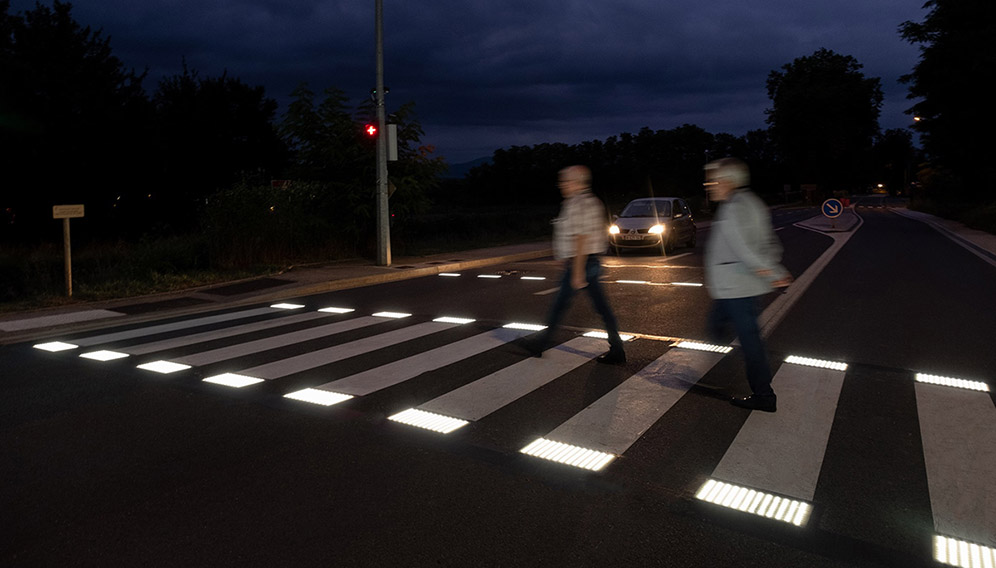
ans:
(627, 223)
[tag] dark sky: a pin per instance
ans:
(487, 74)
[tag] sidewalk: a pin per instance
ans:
(300, 281)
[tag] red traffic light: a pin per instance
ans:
(371, 130)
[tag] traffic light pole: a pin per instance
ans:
(383, 214)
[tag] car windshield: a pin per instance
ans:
(646, 209)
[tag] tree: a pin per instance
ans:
(212, 133)
(824, 119)
(330, 151)
(72, 119)
(895, 160)
(956, 121)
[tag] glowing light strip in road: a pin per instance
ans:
(103, 355)
(164, 367)
(460, 321)
(833, 365)
(233, 380)
(952, 382)
(449, 274)
(337, 310)
(392, 315)
(755, 502)
(55, 346)
(567, 454)
(428, 420)
(533, 278)
(694, 284)
(632, 282)
(525, 326)
(317, 396)
(955, 552)
(287, 306)
(492, 276)
(604, 335)
(704, 347)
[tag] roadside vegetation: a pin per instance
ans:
(200, 181)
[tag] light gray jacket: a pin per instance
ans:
(742, 242)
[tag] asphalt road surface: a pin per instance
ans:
(111, 462)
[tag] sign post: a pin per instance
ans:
(67, 212)
(832, 208)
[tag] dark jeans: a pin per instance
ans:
(592, 272)
(742, 314)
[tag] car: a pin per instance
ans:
(653, 222)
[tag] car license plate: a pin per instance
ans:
(632, 237)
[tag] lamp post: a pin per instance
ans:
(383, 215)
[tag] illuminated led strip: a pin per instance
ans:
(428, 420)
(488, 276)
(567, 454)
(632, 282)
(952, 382)
(955, 552)
(816, 363)
(233, 380)
(394, 315)
(460, 321)
(337, 310)
(534, 278)
(318, 396)
(704, 347)
(449, 274)
(55, 346)
(755, 502)
(525, 326)
(164, 367)
(604, 335)
(695, 284)
(103, 355)
(287, 306)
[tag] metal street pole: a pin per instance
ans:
(383, 214)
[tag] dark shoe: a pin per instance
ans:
(534, 348)
(613, 357)
(754, 402)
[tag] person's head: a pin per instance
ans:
(724, 176)
(573, 179)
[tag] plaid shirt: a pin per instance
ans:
(580, 214)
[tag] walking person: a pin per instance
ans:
(742, 260)
(579, 237)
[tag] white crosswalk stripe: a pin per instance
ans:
(617, 420)
(194, 339)
(308, 361)
(486, 395)
(385, 376)
(763, 458)
(958, 429)
(284, 340)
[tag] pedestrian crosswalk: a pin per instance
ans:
(771, 468)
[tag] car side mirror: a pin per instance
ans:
(679, 215)
(615, 217)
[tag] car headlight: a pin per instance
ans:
(656, 229)
(614, 230)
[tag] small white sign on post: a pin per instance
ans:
(67, 212)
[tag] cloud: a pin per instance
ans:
(487, 74)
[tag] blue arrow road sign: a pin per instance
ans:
(832, 208)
